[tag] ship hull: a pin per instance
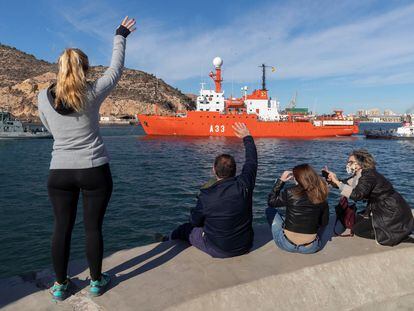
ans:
(197, 123)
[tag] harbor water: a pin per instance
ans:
(155, 185)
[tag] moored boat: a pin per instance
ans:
(404, 132)
(11, 128)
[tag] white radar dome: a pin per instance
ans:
(217, 62)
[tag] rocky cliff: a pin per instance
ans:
(22, 76)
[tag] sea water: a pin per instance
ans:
(155, 185)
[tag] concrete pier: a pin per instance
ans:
(349, 274)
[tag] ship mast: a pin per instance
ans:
(216, 77)
(263, 77)
(263, 66)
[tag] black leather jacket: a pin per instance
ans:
(302, 216)
(392, 218)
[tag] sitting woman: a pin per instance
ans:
(388, 218)
(307, 211)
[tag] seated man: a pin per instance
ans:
(221, 222)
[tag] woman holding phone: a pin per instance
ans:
(69, 109)
(388, 217)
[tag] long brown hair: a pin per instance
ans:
(364, 158)
(71, 79)
(309, 183)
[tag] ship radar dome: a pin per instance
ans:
(217, 62)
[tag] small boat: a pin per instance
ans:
(11, 128)
(406, 131)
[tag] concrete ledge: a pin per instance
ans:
(356, 282)
(348, 273)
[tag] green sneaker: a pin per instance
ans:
(98, 287)
(60, 291)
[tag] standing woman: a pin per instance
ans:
(69, 109)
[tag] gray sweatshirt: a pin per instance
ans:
(77, 141)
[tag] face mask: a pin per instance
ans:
(351, 168)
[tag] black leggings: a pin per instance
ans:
(64, 186)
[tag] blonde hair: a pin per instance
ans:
(71, 81)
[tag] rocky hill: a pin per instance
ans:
(22, 76)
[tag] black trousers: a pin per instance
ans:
(64, 187)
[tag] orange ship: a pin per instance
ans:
(216, 114)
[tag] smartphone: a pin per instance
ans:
(325, 174)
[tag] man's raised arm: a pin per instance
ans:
(249, 170)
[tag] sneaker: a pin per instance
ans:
(60, 291)
(98, 287)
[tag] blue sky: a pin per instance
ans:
(335, 54)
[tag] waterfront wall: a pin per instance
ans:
(350, 273)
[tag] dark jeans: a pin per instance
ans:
(195, 236)
(64, 187)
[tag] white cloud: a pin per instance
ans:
(304, 40)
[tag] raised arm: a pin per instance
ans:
(105, 84)
(360, 192)
(249, 171)
(277, 197)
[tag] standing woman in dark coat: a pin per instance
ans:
(69, 109)
(388, 218)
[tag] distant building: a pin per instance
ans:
(389, 112)
(374, 115)
(361, 113)
(373, 112)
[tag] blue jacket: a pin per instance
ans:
(224, 210)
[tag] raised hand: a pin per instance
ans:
(240, 130)
(286, 175)
(332, 178)
(127, 26)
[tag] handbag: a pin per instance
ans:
(346, 214)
